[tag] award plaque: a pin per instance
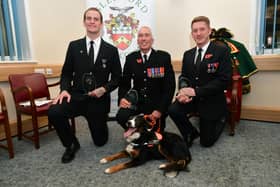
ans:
(132, 97)
(88, 82)
(183, 82)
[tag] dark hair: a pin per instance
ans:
(94, 9)
(201, 18)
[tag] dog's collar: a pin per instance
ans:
(153, 123)
(150, 143)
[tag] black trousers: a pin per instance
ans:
(123, 115)
(59, 115)
(210, 130)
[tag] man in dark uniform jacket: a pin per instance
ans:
(153, 80)
(208, 74)
(90, 72)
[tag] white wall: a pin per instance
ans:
(265, 90)
(54, 23)
(173, 19)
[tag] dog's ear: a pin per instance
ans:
(141, 121)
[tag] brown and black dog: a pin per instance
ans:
(146, 144)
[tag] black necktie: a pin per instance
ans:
(145, 58)
(91, 52)
(198, 59)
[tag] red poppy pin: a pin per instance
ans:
(207, 56)
(139, 60)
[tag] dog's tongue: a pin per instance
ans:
(128, 132)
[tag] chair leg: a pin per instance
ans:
(50, 127)
(9, 139)
(35, 132)
(19, 126)
(238, 113)
(232, 128)
(232, 120)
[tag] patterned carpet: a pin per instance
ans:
(250, 158)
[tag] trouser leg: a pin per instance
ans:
(98, 128)
(178, 113)
(210, 131)
(59, 115)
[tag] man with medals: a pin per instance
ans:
(206, 73)
(149, 73)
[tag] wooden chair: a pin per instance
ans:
(31, 87)
(234, 99)
(4, 120)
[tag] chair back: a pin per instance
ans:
(4, 120)
(3, 108)
(36, 81)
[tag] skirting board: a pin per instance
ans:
(261, 113)
(27, 126)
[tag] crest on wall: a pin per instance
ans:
(122, 28)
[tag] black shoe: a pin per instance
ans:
(70, 152)
(191, 137)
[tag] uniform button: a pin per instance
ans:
(145, 80)
(196, 87)
(196, 78)
(145, 95)
(144, 71)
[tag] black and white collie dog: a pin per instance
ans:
(145, 144)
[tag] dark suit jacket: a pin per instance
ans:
(106, 70)
(210, 81)
(154, 80)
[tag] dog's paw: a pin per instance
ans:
(171, 174)
(162, 166)
(108, 171)
(103, 161)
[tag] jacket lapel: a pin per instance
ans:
(208, 51)
(101, 51)
(193, 55)
(139, 59)
(83, 46)
(83, 51)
